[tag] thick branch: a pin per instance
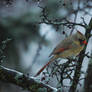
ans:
(29, 83)
(80, 60)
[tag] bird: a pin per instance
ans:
(70, 47)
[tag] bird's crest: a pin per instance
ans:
(79, 32)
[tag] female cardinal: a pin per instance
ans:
(69, 47)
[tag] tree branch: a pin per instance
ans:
(24, 81)
(80, 60)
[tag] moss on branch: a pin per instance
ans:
(24, 81)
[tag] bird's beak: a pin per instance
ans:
(85, 42)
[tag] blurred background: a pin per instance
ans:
(33, 39)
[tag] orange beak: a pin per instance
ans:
(85, 42)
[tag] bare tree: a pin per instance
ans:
(71, 69)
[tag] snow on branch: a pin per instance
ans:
(24, 81)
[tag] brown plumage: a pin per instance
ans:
(69, 47)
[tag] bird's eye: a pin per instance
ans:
(81, 40)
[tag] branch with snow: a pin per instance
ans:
(24, 81)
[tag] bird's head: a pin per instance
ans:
(81, 38)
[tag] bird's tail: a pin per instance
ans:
(52, 59)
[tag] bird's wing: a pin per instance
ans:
(62, 46)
